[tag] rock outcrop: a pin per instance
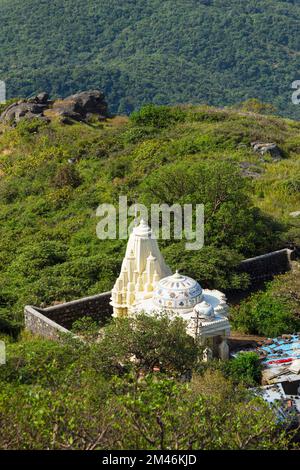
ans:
(78, 107)
(30, 109)
(82, 105)
(269, 148)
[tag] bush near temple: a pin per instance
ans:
(272, 312)
(145, 342)
(245, 368)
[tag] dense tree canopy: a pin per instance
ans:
(58, 396)
(208, 51)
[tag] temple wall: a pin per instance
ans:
(50, 322)
(39, 324)
(265, 267)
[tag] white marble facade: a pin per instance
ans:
(146, 284)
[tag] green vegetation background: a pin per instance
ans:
(195, 51)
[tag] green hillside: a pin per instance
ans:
(217, 52)
(74, 394)
(49, 250)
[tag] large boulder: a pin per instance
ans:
(29, 109)
(82, 105)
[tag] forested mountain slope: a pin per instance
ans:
(211, 51)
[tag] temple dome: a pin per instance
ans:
(204, 311)
(177, 292)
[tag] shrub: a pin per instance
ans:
(38, 255)
(207, 114)
(87, 328)
(70, 413)
(30, 126)
(157, 116)
(118, 168)
(67, 175)
(292, 186)
(254, 105)
(245, 368)
(9, 323)
(9, 191)
(38, 361)
(87, 412)
(265, 314)
(151, 341)
(53, 397)
(134, 135)
(230, 218)
(158, 413)
(215, 268)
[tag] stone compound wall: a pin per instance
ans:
(39, 324)
(265, 267)
(52, 321)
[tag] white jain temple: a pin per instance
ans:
(146, 284)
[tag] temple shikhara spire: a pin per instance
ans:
(142, 267)
(146, 284)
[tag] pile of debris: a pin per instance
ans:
(281, 371)
(280, 358)
(284, 397)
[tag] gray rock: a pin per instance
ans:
(248, 170)
(267, 148)
(81, 105)
(78, 107)
(42, 99)
(20, 110)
